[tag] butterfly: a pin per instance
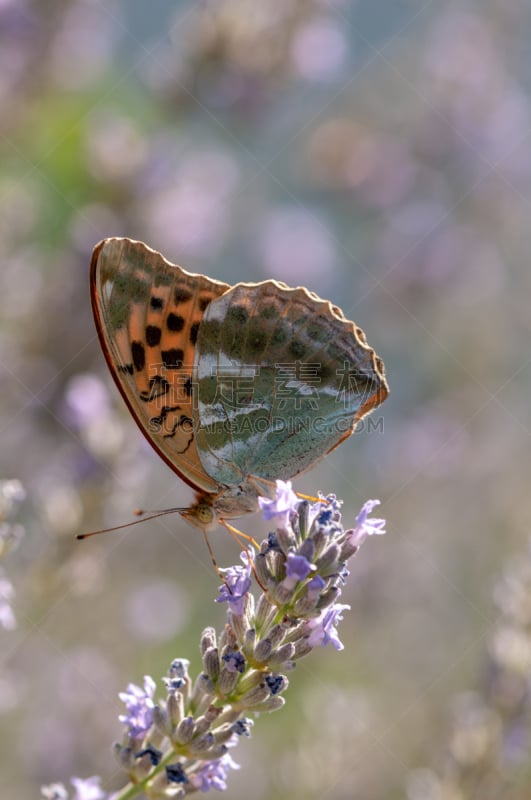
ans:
(233, 386)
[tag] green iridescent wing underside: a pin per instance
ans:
(148, 313)
(282, 377)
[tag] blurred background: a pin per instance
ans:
(378, 153)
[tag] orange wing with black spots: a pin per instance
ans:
(147, 314)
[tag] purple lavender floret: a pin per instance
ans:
(366, 526)
(139, 704)
(298, 567)
(213, 775)
(237, 583)
(323, 627)
(279, 509)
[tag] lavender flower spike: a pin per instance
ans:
(181, 744)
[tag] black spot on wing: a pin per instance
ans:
(204, 303)
(139, 355)
(297, 349)
(158, 387)
(194, 329)
(156, 303)
(125, 369)
(153, 334)
(175, 322)
(173, 358)
(182, 294)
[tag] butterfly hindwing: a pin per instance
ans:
(283, 378)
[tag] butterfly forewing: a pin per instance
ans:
(148, 313)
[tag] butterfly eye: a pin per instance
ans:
(205, 514)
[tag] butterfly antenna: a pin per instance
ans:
(138, 512)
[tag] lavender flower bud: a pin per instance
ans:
(303, 520)
(227, 681)
(185, 731)
(282, 656)
(211, 663)
(286, 539)
(223, 736)
(276, 634)
(282, 594)
(328, 598)
(145, 761)
(209, 753)
(227, 640)
(125, 756)
(273, 703)
(262, 570)
(348, 548)
(307, 550)
(320, 540)
(262, 651)
(240, 625)
(265, 612)
(202, 726)
(302, 648)
(203, 693)
(276, 562)
(253, 697)
(175, 708)
(249, 681)
(200, 745)
(327, 563)
(208, 640)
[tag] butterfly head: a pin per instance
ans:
(201, 514)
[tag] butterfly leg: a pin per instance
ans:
(212, 556)
(237, 535)
(257, 481)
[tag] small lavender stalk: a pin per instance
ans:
(12, 493)
(488, 754)
(181, 745)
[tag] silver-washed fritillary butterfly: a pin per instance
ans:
(234, 386)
